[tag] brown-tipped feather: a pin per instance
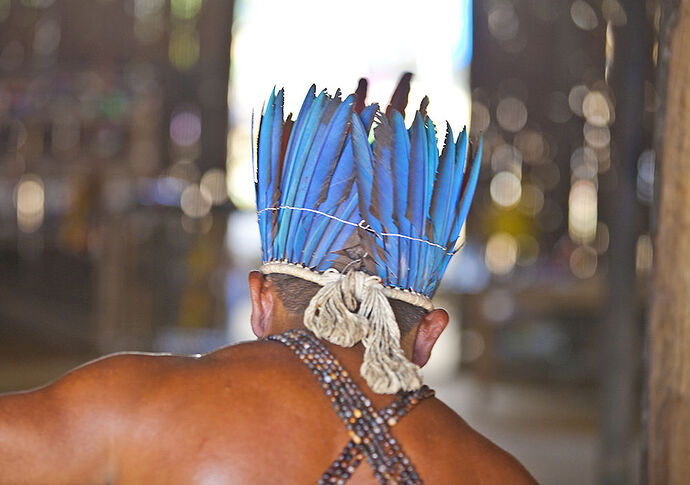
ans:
(399, 98)
(361, 96)
(275, 197)
(423, 105)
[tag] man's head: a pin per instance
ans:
(279, 302)
(373, 217)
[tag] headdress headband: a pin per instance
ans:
(366, 220)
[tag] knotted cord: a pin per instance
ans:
(353, 307)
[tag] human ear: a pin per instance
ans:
(428, 331)
(262, 303)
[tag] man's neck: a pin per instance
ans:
(289, 322)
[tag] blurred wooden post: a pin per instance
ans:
(621, 327)
(668, 459)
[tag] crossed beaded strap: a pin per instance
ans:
(369, 430)
(346, 463)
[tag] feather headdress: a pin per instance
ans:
(367, 214)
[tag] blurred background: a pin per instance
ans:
(126, 191)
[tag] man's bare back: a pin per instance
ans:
(249, 413)
(254, 413)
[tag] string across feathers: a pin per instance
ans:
(404, 203)
(366, 217)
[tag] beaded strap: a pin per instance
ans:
(346, 463)
(369, 429)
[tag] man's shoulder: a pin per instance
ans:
(145, 363)
(128, 377)
(123, 370)
(469, 453)
(120, 372)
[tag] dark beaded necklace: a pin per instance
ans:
(369, 429)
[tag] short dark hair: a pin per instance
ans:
(296, 293)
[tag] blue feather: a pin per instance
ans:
(470, 184)
(418, 161)
(463, 205)
(431, 164)
(442, 189)
(364, 168)
(441, 204)
(401, 170)
(272, 189)
(268, 163)
(341, 187)
(416, 212)
(301, 139)
(308, 156)
(382, 198)
(336, 233)
(429, 178)
(382, 202)
(319, 168)
(367, 116)
(456, 189)
(398, 184)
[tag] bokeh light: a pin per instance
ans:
(595, 108)
(501, 253)
(150, 30)
(503, 20)
(511, 114)
(575, 98)
(30, 201)
(481, 117)
(645, 177)
(596, 136)
(506, 158)
(185, 128)
(505, 190)
(185, 9)
(196, 225)
(583, 262)
(184, 48)
(148, 20)
(185, 170)
(613, 12)
(146, 8)
(582, 211)
(583, 163)
(214, 183)
(195, 201)
(531, 145)
(583, 15)
(46, 37)
(644, 254)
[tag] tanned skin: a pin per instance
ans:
(246, 414)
